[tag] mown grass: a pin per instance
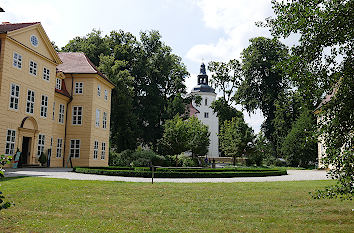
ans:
(58, 205)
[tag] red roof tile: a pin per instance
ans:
(7, 27)
(78, 63)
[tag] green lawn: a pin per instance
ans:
(58, 205)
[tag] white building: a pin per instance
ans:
(205, 113)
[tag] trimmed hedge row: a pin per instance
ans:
(179, 173)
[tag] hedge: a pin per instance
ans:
(181, 173)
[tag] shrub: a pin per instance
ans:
(42, 159)
(184, 172)
(137, 158)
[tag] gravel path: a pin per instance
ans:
(66, 173)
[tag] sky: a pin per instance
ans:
(197, 30)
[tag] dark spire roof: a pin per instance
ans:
(203, 85)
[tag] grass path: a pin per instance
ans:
(58, 205)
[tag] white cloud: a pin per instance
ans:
(237, 21)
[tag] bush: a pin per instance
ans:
(42, 159)
(137, 158)
(184, 172)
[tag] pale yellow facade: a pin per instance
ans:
(36, 117)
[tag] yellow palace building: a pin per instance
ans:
(52, 103)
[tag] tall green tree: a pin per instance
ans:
(263, 79)
(322, 62)
(235, 138)
(184, 135)
(300, 145)
(226, 78)
(149, 81)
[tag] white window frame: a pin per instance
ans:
(61, 113)
(30, 101)
(75, 148)
(99, 90)
(46, 74)
(44, 106)
(95, 150)
(10, 142)
(105, 94)
(58, 83)
(206, 114)
(17, 60)
(98, 112)
(14, 96)
(76, 117)
(104, 120)
(59, 147)
(103, 151)
(79, 88)
(41, 143)
(33, 68)
(53, 113)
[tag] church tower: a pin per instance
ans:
(205, 113)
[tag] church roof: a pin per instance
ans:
(203, 85)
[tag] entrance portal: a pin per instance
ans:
(26, 151)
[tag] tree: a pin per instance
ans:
(287, 110)
(149, 81)
(322, 62)
(224, 111)
(198, 137)
(226, 78)
(235, 137)
(300, 145)
(263, 79)
(184, 135)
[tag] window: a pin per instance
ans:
(61, 113)
(79, 88)
(10, 142)
(14, 96)
(77, 115)
(34, 40)
(46, 74)
(30, 101)
(103, 151)
(99, 90)
(59, 147)
(17, 62)
(95, 150)
(44, 106)
(75, 148)
(105, 95)
(53, 114)
(33, 68)
(206, 101)
(104, 120)
(41, 138)
(206, 115)
(58, 84)
(97, 118)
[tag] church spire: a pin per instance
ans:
(202, 77)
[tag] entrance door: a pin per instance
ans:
(26, 151)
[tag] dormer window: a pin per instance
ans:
(58, 84)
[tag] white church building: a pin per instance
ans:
(204, 112)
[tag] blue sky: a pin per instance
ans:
(195, 29)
